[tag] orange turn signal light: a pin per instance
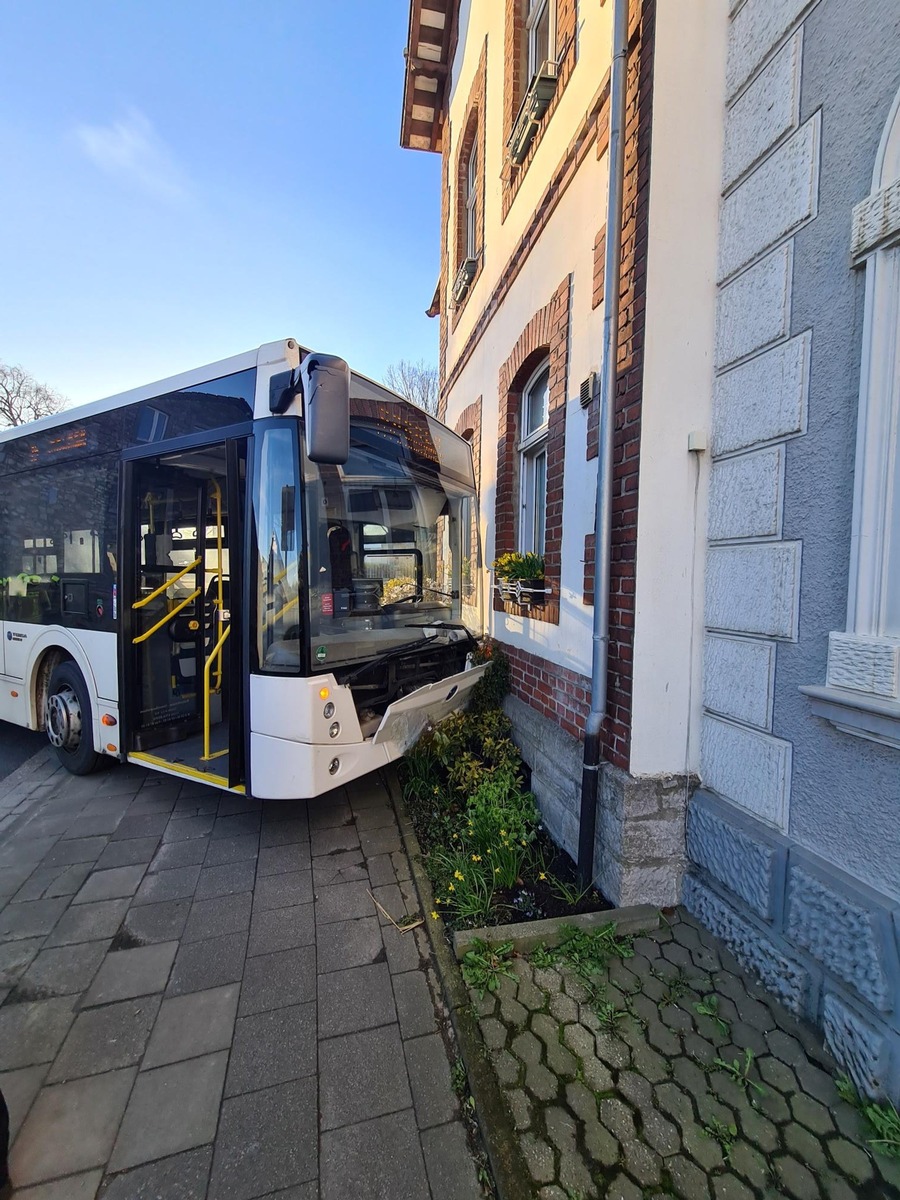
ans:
(15, 695)
(324, 693)
(108, 719)
(110, 746)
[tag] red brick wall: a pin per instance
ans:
(629, 379)
(545, 335)
(473, 128)
(557, 693)
(469, 426)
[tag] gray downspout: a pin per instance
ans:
(590, 774)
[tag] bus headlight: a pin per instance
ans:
(328, 711)
(334, 729)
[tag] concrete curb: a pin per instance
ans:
(526, 935)
(511, 1175)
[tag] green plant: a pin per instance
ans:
(740, 1071)
(488, 692)
(723, 1134)
(518, 566)
(464, 885)
(885, 1120)
(882, 1118)
(541, 957)
(709, 1007)
(570, 893)
(459, 1080)
(609, 1016)
(589, 951)
(484, 965)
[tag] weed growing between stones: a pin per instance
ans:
(739, 1070)
(709, 1007)
(882, 1118)
(724, 1134)
(484, 965)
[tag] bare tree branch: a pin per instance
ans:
(23, 399)
(418, 382)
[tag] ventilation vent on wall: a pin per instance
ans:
(588, 387)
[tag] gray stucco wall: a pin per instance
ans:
(845, 796)
(794, 850)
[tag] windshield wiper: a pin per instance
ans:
(395, 652)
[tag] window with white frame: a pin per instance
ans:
(533, 430)
(540, 26)
(862, 692)
(472, 202)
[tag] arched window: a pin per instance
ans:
(533, 430)
(472, 202)
(862, 692)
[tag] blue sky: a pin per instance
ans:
(186, 180)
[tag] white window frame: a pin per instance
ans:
(532, 447)
(472, 200)
(536, 10)
(862, 689)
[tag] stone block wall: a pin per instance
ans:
(639, 844)
(770, 176)
(816, 935)
(824, 943)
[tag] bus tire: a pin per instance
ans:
(67, 716)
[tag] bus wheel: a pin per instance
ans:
(68, 720)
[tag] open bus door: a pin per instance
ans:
(181, 659)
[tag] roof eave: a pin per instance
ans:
(427, 57)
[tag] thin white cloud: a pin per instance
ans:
(130, 149)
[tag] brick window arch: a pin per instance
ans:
(468, 176)
(468, 426)
(546, 336)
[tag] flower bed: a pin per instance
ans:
(486, 852)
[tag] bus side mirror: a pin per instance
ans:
(326, 393)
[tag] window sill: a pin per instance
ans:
(858, 713)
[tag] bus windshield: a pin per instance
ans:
(386, 533)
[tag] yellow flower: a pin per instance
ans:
(542, 875)
(523, 841)
(450, 887)
(434, 915)
(458, 875)
(496, 870)
(489, 851)
(503, 833)
(476, 858)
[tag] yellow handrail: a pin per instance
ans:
(168, 617)
(220, 594)
(168, 583)
(216, 652)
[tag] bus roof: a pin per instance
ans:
(161, 387)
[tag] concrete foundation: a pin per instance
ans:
(639, 854)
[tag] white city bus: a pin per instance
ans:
(258, 574)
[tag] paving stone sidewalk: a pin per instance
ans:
(626, 1100)
(199, 999)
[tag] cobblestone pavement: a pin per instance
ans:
(198, 997)
(632, 1103)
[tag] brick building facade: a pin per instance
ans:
(521, 292)
(753, 717)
